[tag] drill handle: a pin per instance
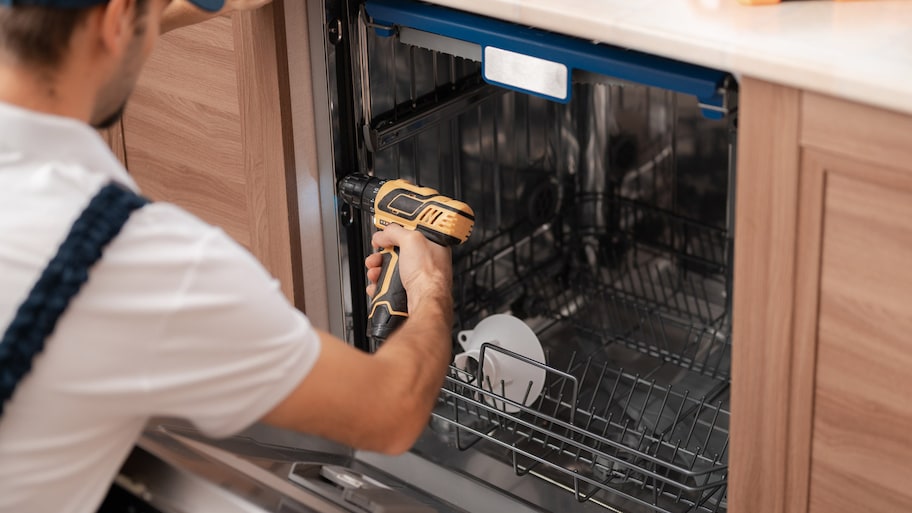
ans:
(389, 307)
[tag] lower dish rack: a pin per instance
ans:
(598, 431)
(634, 409)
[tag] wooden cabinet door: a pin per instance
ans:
(822, 336)
(860, 162)
(861, 450)
(205, 129)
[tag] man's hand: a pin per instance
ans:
(382, 401)
(179, 13)
(424, 267)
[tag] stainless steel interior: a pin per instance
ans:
(605, 224)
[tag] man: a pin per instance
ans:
(175, 319)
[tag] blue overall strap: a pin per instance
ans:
(37, 316)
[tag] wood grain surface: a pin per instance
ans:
(861, 447)
(765, 233)
(862, 430)
(857, 131)
(206, 129)
(182, 127)
(267, 145)
(115, 139)
(861, 453)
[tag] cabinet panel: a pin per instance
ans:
(822, 333)
(765, 228)
(182, 128)
(208, 129)
(114, 137)
(857, 131)
(862, 429)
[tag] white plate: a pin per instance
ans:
(514, 335)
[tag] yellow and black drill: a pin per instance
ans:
(443, 220)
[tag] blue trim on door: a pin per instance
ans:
(630, 65)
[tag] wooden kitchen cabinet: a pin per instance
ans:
(207, 129)
(822, 351)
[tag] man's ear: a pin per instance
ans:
(116, 25)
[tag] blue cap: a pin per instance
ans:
(206, 5)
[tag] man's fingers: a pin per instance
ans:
(392, 235)
(373, 263)
(373, 260)
(373, 274)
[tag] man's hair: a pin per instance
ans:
(39, 36)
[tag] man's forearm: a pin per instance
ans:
(428, 330)
(420, 349)
(425, 336)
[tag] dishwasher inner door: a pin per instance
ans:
(604, 222)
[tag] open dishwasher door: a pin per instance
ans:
(174, 469)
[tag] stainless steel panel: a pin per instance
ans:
(178, 470)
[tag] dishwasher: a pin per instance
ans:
(602, 181)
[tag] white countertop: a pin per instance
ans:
(860, 51)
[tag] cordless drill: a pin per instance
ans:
(442, 220)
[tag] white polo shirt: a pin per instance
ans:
(176, 319)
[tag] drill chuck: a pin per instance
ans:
(360, 191)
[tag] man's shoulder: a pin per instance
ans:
(165, 227)
(168, 217)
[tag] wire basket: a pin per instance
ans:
(666, 297)
(600, 433)
(654, 435)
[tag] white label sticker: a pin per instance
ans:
(525, 72)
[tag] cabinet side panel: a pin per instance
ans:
(765, 226)
(262, 78)
(115, 138)
(182, 128)
(862, 445)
